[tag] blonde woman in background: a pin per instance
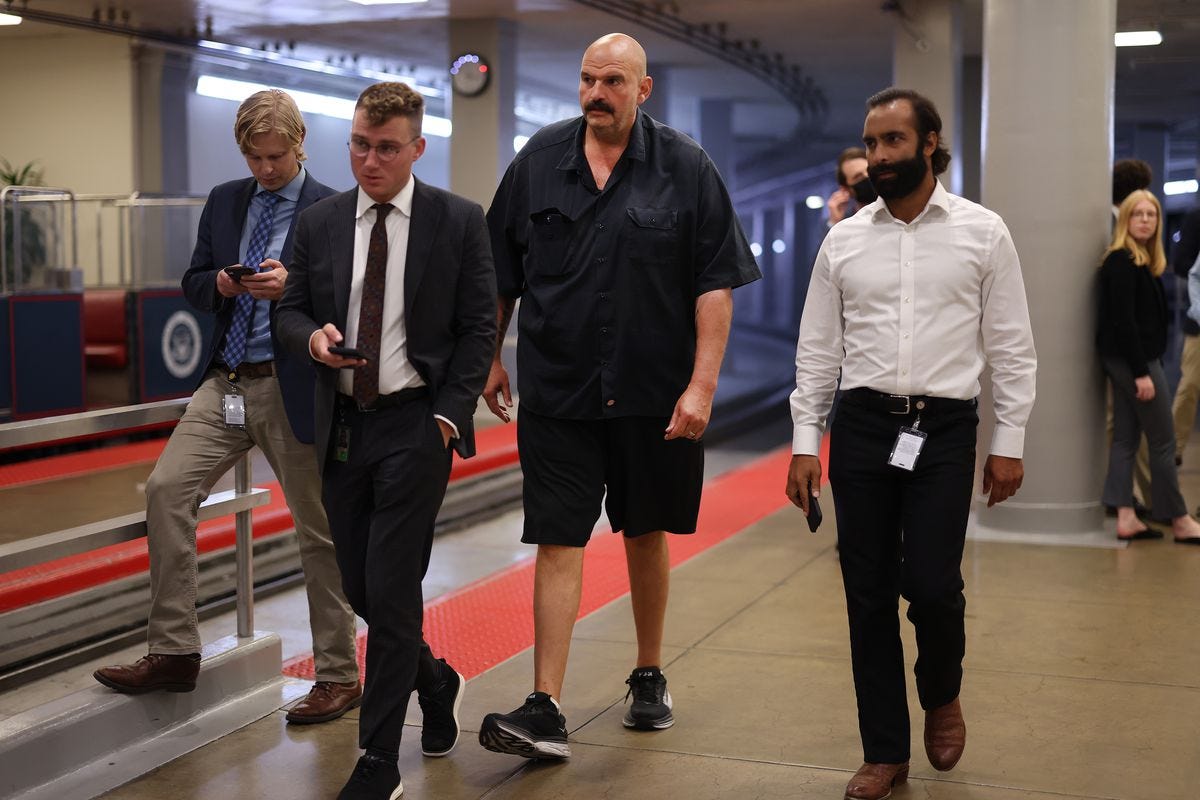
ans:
(1131, 338)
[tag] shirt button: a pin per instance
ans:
(599, 226)
(604, 295)
(906, 299)
(906, 336)
(611, 403)
(908, 263)
(601, 260)
(604, 330)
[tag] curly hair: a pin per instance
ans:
(926, 117)
(382, 101)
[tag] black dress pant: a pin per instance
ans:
(382, 502)
(902, 533)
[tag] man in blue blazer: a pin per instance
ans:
(402, 272)
(253, 394)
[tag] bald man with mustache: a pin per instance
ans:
(619, 236)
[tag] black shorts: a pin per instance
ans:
(652, 484)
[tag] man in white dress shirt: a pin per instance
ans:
(908, 301)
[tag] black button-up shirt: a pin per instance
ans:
(608, 279)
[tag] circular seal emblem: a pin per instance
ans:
(181, 344)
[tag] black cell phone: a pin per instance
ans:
(346, 352)
(237, 272)
(814, 512)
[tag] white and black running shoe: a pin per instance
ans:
(651, 707)
(535, 730)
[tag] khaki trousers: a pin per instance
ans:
(202, 449)
(1187, 394)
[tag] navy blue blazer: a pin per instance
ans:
(217, 243)
(449, 300)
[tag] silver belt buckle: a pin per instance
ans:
(907, 403)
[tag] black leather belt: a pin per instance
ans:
(904, 403)
(347, 403)
(263, 369)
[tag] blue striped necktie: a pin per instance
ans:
(243, 310)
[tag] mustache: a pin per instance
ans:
(598, 105)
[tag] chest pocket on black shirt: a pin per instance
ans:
(653, 236)
(548, 240)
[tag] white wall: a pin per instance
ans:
(213, 155)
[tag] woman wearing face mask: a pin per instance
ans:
(1131, 338)
(854, 188)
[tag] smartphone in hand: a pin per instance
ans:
(347, 352)
(237, 272)
(814, 512)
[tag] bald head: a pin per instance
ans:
(618, 48)
(612, 84)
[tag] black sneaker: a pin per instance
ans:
(535, 730)
(651, 707)
(373, 779)
(439, 708)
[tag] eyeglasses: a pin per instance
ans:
(1144, 215)
(361, 148)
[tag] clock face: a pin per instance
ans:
(469, 75)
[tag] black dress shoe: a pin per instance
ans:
(1188, 540)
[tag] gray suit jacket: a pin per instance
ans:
(449, 300)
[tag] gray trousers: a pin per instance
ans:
(201, 449)
(1131, 418)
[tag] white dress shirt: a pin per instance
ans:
(395, 370)
(916, 309)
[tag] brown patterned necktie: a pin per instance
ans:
(370, 313)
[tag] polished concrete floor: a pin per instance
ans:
(1082, 681)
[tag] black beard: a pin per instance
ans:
(907, 176)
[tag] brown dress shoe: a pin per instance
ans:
(875, 781)
(945, 735)
(326, 701)
(154, 672)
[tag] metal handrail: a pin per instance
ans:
(88, 537)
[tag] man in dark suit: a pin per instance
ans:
(248, 397)
(402, 272)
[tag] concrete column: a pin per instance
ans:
(1150, 143)
(481, 145)
(716, 137)
(657, 105)
(927, 57)
(1050, 67)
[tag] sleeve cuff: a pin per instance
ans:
(806, 440)
(1008, 442)
(311, 354)
(453, 427)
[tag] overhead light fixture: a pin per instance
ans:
(1137, 38)
(1181, 187)
(309, 102)
(387, 2)
(814, 201)
(9, 19)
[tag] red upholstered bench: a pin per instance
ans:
(106, 338)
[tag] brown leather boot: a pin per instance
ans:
(151, 673)
(326, 701)
(875, 781)
(945, 735)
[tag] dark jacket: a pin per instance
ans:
(1182, 260)
(449, 300)
(217, 243)
(1132, 320)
